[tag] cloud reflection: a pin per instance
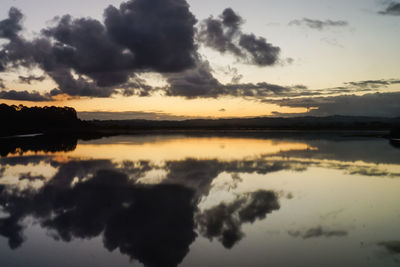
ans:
(224, 221)
(318, 231)
(154, 224)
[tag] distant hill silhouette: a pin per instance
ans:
(258, 123)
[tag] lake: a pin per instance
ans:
(233, 199)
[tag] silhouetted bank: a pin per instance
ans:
(19, 120)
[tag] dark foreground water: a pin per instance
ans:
(240, 200)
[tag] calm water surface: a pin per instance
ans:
(240, 200)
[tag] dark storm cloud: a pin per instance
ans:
(159, 33)
(2, 86)
(200, 82)
(219, 33)
(24, 96)
(224, 221)
(318, 232)
(195, 82)
(262, 53)
(318, 24)
(88, 58)
(10, 27)
(376, 104)
(31, 78)
(392, 9)
(224, 34)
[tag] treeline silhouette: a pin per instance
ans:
(16, 120)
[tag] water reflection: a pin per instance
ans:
(318, 231)
(224, 221)
(151, 223)
(156, 207)
(19, 146)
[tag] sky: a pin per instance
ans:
(176, 59)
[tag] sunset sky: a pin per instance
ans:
(175, 59)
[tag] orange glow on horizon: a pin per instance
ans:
(175, 106)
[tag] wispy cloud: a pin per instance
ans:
(318, 24)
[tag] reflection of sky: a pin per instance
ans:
(329, 201)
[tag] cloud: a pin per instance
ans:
(195, 82)
(88, 58)
(160, 34)
(392, 9)
(29, 79)
(24, 96)
(9, 28)
(373, 104)
(200, 82)
(224, 34)
(374, 83)
(2, 86)
(219, 33)
(318, 24)
(262, 53)
(318, 232)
